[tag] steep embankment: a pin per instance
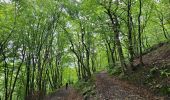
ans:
(155, 74)
(158, 54)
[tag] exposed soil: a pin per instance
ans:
(149, 75)
(63, 94)
(159, 55)
(111, 88)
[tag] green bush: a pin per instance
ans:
(87, 89)
(115, 71)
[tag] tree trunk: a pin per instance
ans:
(139, 32)
(130, 46)
(116, 28)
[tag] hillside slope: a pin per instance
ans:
(158, 54)
(112, 88)
(155, 74)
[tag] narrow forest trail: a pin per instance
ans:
(63, 94)
(107, 88)
(111, 88)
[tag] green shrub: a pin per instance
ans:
(87, 89)
(115, 71)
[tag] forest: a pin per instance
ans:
(84, 49)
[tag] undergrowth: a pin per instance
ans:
(86, 88)
(116, 71)
(156, 78)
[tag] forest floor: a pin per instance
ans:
(156, 55)
(107, 88)
(111, 88)
(155, 74)
(65, 94)
(138, 86)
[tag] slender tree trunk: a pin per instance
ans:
(139, 32)
(130, 46)
(28, 63)
(18, 71)
(163, 27)
(79, 70)
(111, 54)
(33, 73)
(6, 75)
(116, 28)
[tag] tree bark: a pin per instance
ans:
(116, 28)
(139, 32)
(130, 46)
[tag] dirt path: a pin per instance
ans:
(107, 88)
(63, 94)
(110, 88)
